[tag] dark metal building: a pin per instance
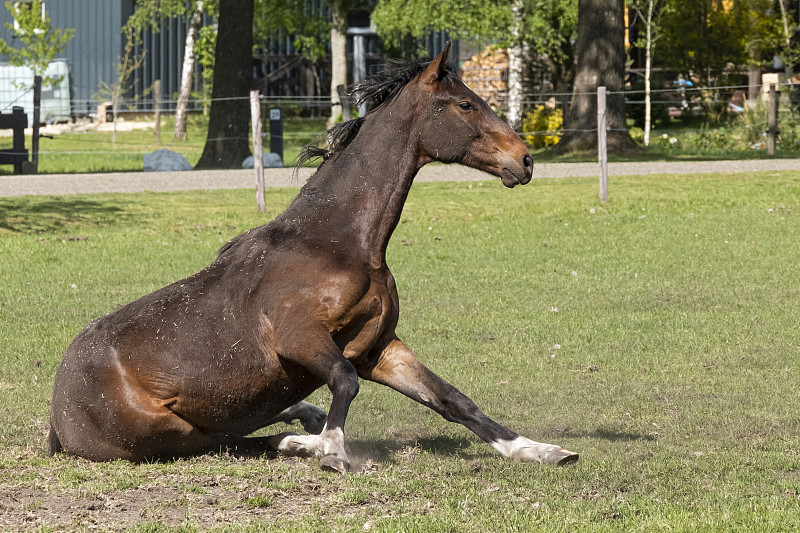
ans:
(98, 43)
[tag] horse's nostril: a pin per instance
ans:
(527, 162)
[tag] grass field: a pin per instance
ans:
(656, 335)
(94, 151)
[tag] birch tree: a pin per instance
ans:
(187, 71)
(648, 12)
(516, 65)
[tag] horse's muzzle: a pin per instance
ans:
(511, 177)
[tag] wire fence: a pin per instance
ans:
(529, 99)
(684, 98)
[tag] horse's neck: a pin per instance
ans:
(357, 196)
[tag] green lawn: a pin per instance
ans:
(94, 151)
(656, 335)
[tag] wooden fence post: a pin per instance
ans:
(772, 119)
(345, 101)
(602, 147)
(157, 97)
(258, 162)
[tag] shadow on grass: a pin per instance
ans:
(383, 451)
(609, 435)
(25, 215)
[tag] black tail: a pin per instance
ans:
(53, 444)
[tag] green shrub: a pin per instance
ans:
(543, 126)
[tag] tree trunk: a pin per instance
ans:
(228, 124)
(187, 71)
(600, 53)
(338, 55)
(515, 66)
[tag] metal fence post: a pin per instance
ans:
(276, 132)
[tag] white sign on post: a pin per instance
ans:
(274, 114)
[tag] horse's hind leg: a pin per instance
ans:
(101, 412)
(309, 415)
(132, 431)
(400, 369)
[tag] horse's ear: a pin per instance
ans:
(437, 69)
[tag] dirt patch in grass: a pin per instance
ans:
(74, 494)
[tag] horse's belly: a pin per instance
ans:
(237, 403)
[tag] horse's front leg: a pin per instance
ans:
(399, 368)
(313, 349)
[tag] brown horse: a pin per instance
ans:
(303, 301)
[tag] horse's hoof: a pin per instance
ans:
(332, 463)
(560, 457)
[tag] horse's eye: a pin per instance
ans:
(466, 106)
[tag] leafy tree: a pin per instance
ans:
(527, 27)
(398, 20)
(790, 48)
(548, 35)
(204, 51)
(148, 15)
(310, 29)
(704, 37)
(126, 66)
(266, 16)
(40, 42)
(708, 41)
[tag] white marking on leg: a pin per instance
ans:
(329, 442)
(333, 442)
(297, 445)
(526, 450)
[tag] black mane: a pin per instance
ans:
(373, 93)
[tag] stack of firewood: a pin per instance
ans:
(486, 73)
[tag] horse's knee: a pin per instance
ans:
(344, 380)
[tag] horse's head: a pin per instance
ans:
(460, 127)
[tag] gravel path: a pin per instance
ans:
(286, 177)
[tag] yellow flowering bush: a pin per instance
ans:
(543, 126)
